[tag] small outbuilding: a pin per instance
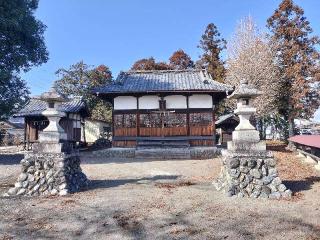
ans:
(34, 122)
(225, 125)
(164, 108)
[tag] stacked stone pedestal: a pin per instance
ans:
(54, 165)
(248, 169)
(251, 174)
(47, 173)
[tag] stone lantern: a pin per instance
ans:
(54, 133)
(248, 169)
(245, 137)
(53, 166)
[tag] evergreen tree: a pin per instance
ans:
(212, 45)
(79, 80)
(298, 62)
(22, 46)
(13, 94)
(22, 43)
(180, 60)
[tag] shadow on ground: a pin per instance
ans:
(96, 184)
(10, 159)
(301, 185)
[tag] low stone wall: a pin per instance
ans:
(113, 153)
(204, 152)
(195, 153)
(49, 173)
(251, 174)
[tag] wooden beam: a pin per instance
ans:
(159, 138)
(177, 110)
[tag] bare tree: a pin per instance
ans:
(251, 56)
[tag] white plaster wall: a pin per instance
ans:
(200, 101)
(93, 130)
(176, 101)
(125, 102)
(149, 102)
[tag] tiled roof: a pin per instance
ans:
(226, 117)
(36, 106)
(164, 81)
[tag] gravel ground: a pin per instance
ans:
(162, 200)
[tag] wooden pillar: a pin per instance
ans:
(188, 120)
(28, 134)
(213, 120)
(188, 117)
(138, 118)
(25, 134)
(112, 116)
(84, 130)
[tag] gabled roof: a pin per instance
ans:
(164, 81)
(226, 117)
(36, 106)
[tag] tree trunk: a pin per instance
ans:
(291, 127)
(285, 130)
(260, 127)
(264, 129)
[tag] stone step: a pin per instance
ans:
(162, 144)
(169, 153)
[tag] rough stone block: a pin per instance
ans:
(250, 175)
(50, 173)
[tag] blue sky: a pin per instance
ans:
(118, 32)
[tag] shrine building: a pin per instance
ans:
(167, 108)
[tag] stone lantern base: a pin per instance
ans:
(251, 174)
(50, 173)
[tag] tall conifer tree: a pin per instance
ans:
(212, 45)
(298, 62)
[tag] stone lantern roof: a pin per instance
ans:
(53, 96)
(245, 90)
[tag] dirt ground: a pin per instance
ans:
(162, 200)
